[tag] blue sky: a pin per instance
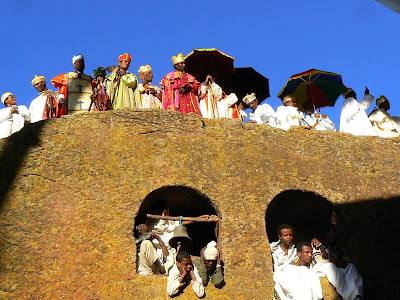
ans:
(356, 38)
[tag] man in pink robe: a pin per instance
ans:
(180, 89)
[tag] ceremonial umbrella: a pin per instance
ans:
(314, 86)
(246, 81)
(209, 61)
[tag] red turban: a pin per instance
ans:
(125, 56)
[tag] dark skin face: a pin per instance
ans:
(305, 256)
(124, 64)
(41, 86)
(286, 237)
(211, 264)
(79, 65)
(185, 266)
(291, 103)
(254, 104)
(385, 105)
(10, 101)
(180, 66)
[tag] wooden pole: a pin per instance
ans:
(193, 219)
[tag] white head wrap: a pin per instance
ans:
(211, 252)
(75, 58)
(249, 98)
(5, 96)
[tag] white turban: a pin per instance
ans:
(75, 58)
(5, 96)
(211, 252)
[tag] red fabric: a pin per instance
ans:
(173, 99)
(61, 82)
(125, 56)
(50, 109)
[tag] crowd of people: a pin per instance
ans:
(159, 255)
(180, 91)
(297, 269)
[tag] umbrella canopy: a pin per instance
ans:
(314, 86)
(246, 81)
(209, 61)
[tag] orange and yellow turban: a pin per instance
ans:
(125, 56)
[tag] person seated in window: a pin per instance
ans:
(209, 265)
(182, 273)
(156, 256)
(283, 251)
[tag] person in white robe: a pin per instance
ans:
(283, 251)
(298, 280)
(382, 121)
(150, 94)
(156, 256)
(315, 120)
(38, 105)
(182, 273)
(209, 94)
(353, 118)
(261, 113)
(12, 117)
(227, 106)
(288, 115)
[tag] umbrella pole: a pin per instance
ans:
(213, 102)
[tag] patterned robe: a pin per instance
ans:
(173, 99)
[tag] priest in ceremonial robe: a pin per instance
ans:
(75, 89)
(45, 105)
(180, 89)
(150, 94)
(122, 86)
(353, 118)
(382, 121)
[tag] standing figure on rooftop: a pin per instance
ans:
(180, 89)
(315, 119)
(353, 118)
(151, 95)
(45, 105)
(261, 113)
(288, 115)
(12, 117)
(100, 98)
(382, 121)
(122, 86)
(74, 89)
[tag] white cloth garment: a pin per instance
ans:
(298, 283)
(347, 282)
(149, 100)
(165, 230)
(324, 123)
(11, 123)
(264, 113)
(37, 106)
(383, 123)
(173, 284)
(208, 100)
(280, 259)
(224, 105)
(354, 119)
(288, 116)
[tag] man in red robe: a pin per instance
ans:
(180, 89)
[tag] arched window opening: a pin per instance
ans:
(308, 213)
(182, 201)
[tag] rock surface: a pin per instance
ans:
(71, 189)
